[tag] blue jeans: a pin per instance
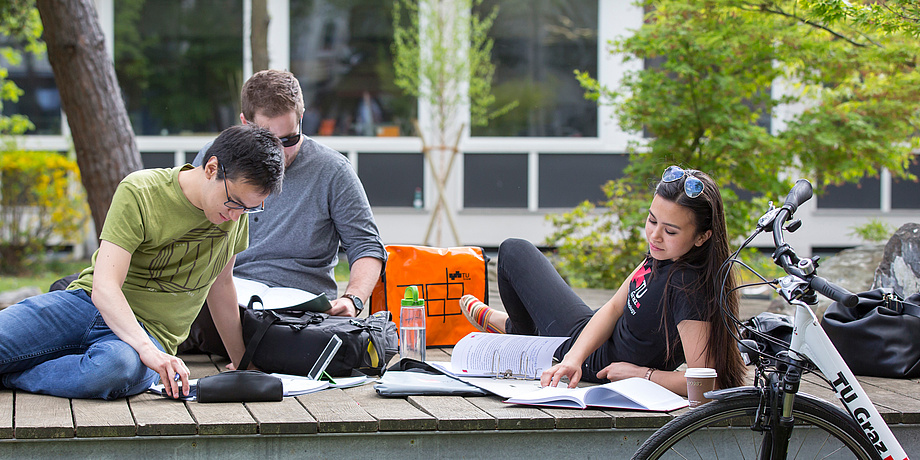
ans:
(58, 344)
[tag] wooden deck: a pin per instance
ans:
(355, 422)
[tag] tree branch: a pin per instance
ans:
(767, 9)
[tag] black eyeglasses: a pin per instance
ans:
(233, 204)
(293, 139)
(693, 187)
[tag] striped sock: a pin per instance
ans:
(478, 314)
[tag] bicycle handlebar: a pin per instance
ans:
(834, 292)
(785, 257)
(799, 194)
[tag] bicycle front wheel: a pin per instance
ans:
(721, 429)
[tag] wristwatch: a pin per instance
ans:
(359, 305)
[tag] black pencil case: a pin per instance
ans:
(240, 386)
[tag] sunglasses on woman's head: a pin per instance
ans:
(693, 187)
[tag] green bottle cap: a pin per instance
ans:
(411, 299)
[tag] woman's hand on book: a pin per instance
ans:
(621, 370)
(560, 372)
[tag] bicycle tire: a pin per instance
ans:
(822, 430)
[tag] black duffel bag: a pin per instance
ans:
(880, 336)
(289, 342)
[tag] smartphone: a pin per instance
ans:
(325, 358)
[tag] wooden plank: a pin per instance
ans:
(514, 417)
(42, 416)
(454, 413)
(579, 418)
(97, 418)
(6, 414)
(156, 415)
(336, 412)
(640, 419)
(229, 418)
(907, 409)
(899, 394)
(392, 414)
(200, 366)
(285, 417)
(816, 386)
(218, 361)
(436, 354)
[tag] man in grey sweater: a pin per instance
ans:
(295, 242)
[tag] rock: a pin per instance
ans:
(853, 269)
(781, 307)
(15, 296)
(900, 266)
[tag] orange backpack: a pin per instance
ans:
(443, 276)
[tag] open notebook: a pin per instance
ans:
(632, 393)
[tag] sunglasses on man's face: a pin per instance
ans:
(292, 139)
(693, 187)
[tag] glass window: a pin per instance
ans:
(867, 194)
(158, 159)
(495, 181)
(569, 179)
(391, 179)
(180, 64)
(905, 194)
(340, 52)
(40, 100)
(538, 44)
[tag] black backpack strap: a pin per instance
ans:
(253, 300)
(256, 339)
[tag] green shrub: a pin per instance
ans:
(599, 246)
(873, 231)
(41, 202)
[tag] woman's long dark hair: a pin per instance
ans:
(706, 260)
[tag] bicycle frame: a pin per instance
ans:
(779, 373)
(809, 340)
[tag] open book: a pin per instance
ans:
(261, 296)
(481, 354)
(632, 393)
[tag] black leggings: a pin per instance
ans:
(539, 302)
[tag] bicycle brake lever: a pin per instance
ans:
(766, 220)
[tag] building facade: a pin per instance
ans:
(181, 64)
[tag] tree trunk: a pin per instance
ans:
(91, 99)
(259, 37)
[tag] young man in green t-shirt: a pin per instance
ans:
(169, 241)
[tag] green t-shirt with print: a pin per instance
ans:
(176, 253)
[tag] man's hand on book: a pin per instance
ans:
(342, 306)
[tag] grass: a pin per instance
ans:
(42, 274)
(342, 270)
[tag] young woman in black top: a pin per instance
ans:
(663, 315)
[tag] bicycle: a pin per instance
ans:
(782, 422)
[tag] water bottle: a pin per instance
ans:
(412, 326)
(417, 202)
